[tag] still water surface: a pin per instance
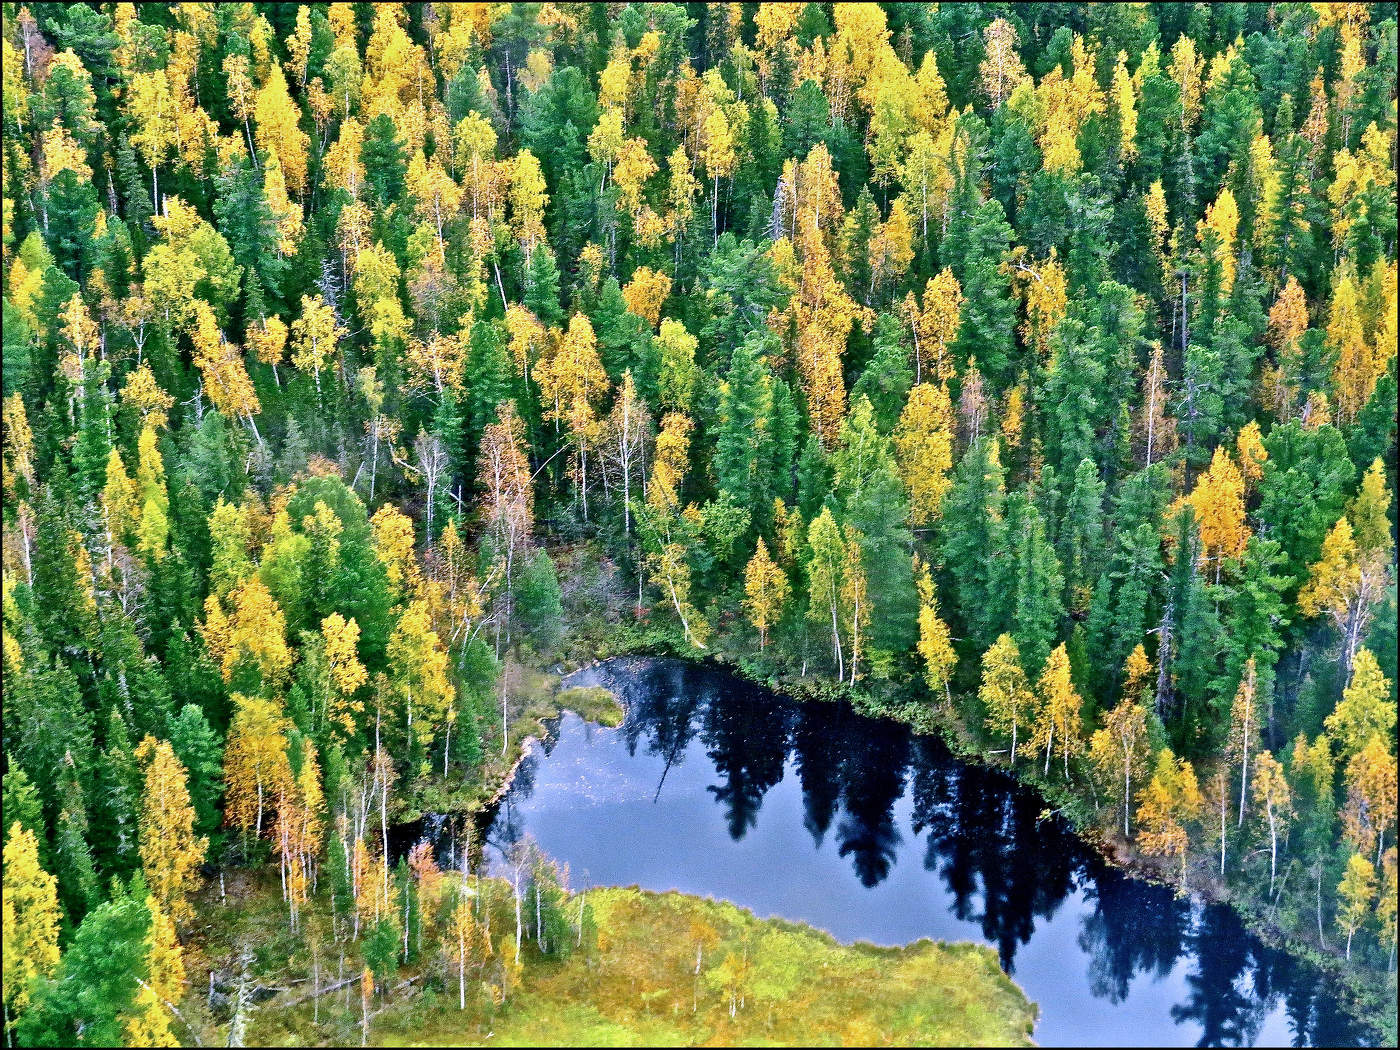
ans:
(808, 811)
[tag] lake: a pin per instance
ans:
(716, 787)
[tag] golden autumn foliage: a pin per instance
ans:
(254, 630)
(1167, 806)
(765, 590)
(1057, 722)
(1249, 444)
(1005, 692)
(823, 314)
(1356, 892)
(1369, 512)
(256, 770)
(393, 539)
(418, 673)
(324, 431)
(1223, 220)
(31, 917)
(1001, 71)
(923, 441)
(315, 337)
(645, 293)
(1218, 500)
(148, 1022)
(935, 640)
(170, 851)
(345, 674)
(935, 325)
(1365, 710)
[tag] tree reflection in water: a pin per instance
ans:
(872, 780)
(1007, 865)
(1135, 927)
(819, 741)
(748, 743)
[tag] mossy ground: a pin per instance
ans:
(802, 987)
(635, 984)
(592, 703)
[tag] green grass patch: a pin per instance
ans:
(592, 703)
(654, 969)
(788, 984)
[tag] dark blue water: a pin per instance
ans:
(810, 812)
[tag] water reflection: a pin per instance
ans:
(1109, 959)
(1158, 920)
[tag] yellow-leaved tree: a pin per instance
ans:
(668, 530)
(766, 592)
(1370, 806)
(935, 640)
(923, 442)
(148, 1023)
(1121, 746)
(1365, 709)
(344, 675)
(256, 769)
(1218, 500)
(418, 673)
(571, 385)
(1354, 896)
(1272, 794)
(935, 323)
(1344, 584)
(1169, 803)
(31, 918)
(278, 129)
(316, 335)
(1005, 693)
(1058, 714)
(171, 853)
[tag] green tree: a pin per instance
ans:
(92, 998)
(970, 551)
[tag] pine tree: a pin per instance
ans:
(741, 460)
(876, 507)
(116, 837)
(199, 749)
(95, 994)
(1037, 584)
(976, 502)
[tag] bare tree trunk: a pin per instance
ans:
(1321, 938)
(1222, 830)
(519, 933)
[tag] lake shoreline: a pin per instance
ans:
(1361, 1000)
(1363, 997)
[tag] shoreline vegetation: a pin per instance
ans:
(1372, 994)
(637, 968)
(1370, 998)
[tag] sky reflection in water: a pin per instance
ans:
(813, 813)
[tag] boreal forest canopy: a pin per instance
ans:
(1024, 371)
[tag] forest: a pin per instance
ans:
(1023, 372)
